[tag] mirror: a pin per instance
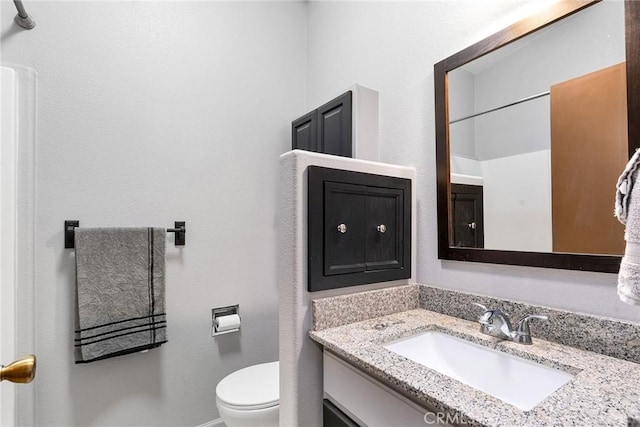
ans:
(533, 127)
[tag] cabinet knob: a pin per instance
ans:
(472, 225)
(342, 228)
(381, 228)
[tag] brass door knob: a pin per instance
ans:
(22, 370)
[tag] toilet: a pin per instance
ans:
(250, 397)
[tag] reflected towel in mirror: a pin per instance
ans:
(625, 186)
(627, 210)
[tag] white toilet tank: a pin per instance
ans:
(250, 396)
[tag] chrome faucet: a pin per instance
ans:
(497, 324)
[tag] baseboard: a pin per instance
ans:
(214, 423)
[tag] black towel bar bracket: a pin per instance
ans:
(180, 228)
(70, 233)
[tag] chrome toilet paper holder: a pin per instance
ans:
(221, 312)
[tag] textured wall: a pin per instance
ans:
(300, 357)
(391, 47)
(150, 112)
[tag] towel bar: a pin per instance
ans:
(180, 228)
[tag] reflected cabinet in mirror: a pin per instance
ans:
(533, 127)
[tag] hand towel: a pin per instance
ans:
(627, 211)
(625, 186)
(120, 292)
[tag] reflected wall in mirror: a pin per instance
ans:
(536, 121)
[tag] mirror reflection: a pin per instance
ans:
(538, 138)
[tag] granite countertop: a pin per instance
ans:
(604, 391)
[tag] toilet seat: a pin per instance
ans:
(252, 388)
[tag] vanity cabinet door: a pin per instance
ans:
(359, 228)
(327, 129)
(367, 401)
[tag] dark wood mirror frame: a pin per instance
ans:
(600, 263)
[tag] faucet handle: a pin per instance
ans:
(483, 319)
(523, 333)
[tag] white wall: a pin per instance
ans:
(517, 202)
(392, 46)
(150, 112)
(462, 101)
(523, 128)
(516, 199)
(464, 166)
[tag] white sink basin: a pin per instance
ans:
(514, 380)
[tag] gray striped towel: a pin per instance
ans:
(120, 292)
(627, 210)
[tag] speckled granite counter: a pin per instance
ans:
(605, 390)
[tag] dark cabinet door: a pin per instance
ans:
(326, 129)
(334, 126)
(359, 228)
(467, 214)
(383, 216)
(344, 230)
(304, 132)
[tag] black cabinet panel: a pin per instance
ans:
(344, 208)
(359, 228)
(467, 215)
(334, 126)
(384, 228)
(326, 129)
(304, 132)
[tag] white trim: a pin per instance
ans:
(365, 123)
(458, 178)
(215, 423)
(24, 232)
(8, 231)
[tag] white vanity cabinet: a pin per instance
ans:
(367, 401)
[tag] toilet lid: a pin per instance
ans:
(254, 387)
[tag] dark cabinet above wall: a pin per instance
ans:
(304, 131)
(359, 228)
(326, 129)
(345, 126)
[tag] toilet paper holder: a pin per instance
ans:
(217, 315)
